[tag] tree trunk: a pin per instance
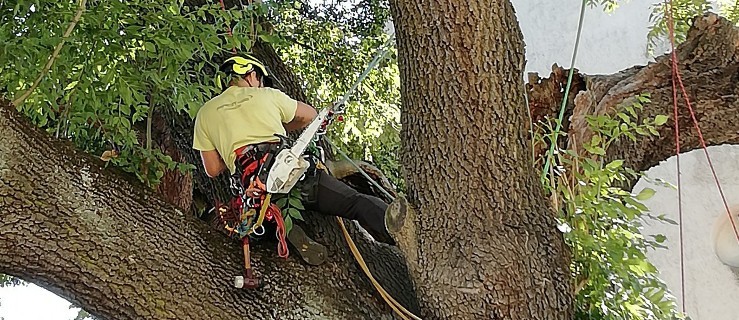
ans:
(486, 240)
(111, 246)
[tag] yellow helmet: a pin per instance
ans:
(244, 64)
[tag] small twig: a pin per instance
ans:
(148, 122)
(580, 285)
(54, 55)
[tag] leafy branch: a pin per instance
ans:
(18, 101)
(600, 222)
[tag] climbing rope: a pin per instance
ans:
(677, 154)
(398, 308)
(379, 56)
(395, 305)
(553, 143)
(677, 81)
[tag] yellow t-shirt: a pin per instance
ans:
(241, 116)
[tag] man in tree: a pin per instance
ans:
(239, 128)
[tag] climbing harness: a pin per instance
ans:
(245, 213)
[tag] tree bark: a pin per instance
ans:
(111, 246)
(486, 240)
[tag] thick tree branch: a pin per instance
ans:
(111, 246)
(709, 63)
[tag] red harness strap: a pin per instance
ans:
(250, 161)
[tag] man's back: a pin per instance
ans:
(241, 116)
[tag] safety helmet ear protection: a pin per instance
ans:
(242, 65)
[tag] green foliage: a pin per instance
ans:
(291, 206)
(123, 59)
(9, 281)
(683, 12)
(82, 314)
(608, 5)
(730, 10)
(600, 222)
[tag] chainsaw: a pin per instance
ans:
(289, 165)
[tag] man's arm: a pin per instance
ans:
(304, 114)
(212, 162)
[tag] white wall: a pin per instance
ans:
(609, 42)
(711, 287)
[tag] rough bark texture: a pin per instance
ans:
(709, 64)
(114, 248)
(487, 244)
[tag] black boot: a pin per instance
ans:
(375, 226)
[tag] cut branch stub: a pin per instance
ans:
(709, 65)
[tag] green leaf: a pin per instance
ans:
(282, 202)
(125, 109)
(295, 213)
(296, 203)
(288, 224)
(148, 46)
(660, 120)
(71, 85)
(659, 238)
(615, 164)
(645, 194)
(598, 150)
(595, 141)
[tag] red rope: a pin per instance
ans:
(708, 157)
(282, 250)
(677, 79)
(677, 151)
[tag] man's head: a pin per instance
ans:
(245, 71)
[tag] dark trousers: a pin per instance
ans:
(335, 198)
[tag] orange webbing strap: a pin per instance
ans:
(395, 305)
(282, 250)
